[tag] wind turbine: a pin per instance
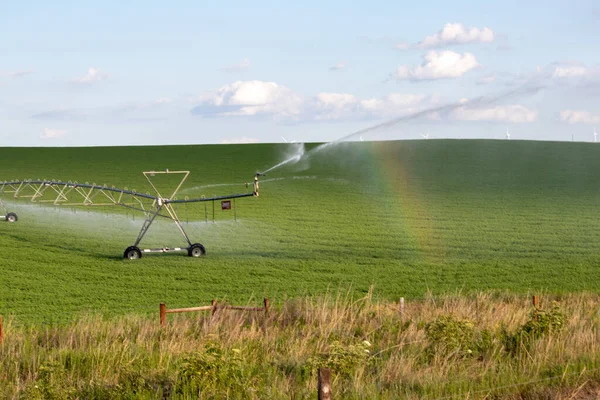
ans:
(425, 136)
(507, 134)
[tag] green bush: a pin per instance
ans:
(341, 359)
(541, 323)
(214, 370)
(448, 335)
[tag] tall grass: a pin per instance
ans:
(488, 345)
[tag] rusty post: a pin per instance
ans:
(264, 324)
(214, 305)
(324, 384)
(163, 314)
(266, 302)
(536, 301)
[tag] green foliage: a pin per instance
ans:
(540, 323)
(448, 335)
(212, 369)
(51, 384)
(340, 358)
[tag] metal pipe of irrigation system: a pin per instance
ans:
(80, 185)
(199, 200)
(125, 191)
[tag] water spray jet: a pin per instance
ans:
(530, 87)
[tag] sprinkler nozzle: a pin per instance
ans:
(259, 174)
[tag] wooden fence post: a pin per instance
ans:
(163, 314)
(214, 303)
(402, 306)
(266, 301)
(536, 301)
(1, 337)
(264, 324)
(324, 384)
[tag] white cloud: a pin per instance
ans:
(52, 133)
(240, 140)
(344, 106)
(269, 99)
(510, 113)
(438, 65)
(335, 100)
(392, 105)
(93, 75)
(455, 33)
(579, 117)
(338, 66)
(570, 72)
(372, 104)
(250, 98)
(15, 74)
(242, 66)
(19, 74)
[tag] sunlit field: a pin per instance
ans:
(408, 217)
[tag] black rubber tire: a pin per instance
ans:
(132, 253)
(196, 250)
(11, 217)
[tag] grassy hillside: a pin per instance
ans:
(407, 217)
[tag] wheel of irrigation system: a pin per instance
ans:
(196, 250)
(132, 253)
(11, 217)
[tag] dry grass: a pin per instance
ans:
(245, 355)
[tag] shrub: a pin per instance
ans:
(341, 359)
(449, 335)
(541, 323)
(213, 370)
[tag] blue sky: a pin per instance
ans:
(146, 72)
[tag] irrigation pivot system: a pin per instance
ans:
(86, 194)
(5, 215)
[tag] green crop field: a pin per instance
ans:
(407, 217)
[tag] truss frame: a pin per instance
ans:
(102, 195)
